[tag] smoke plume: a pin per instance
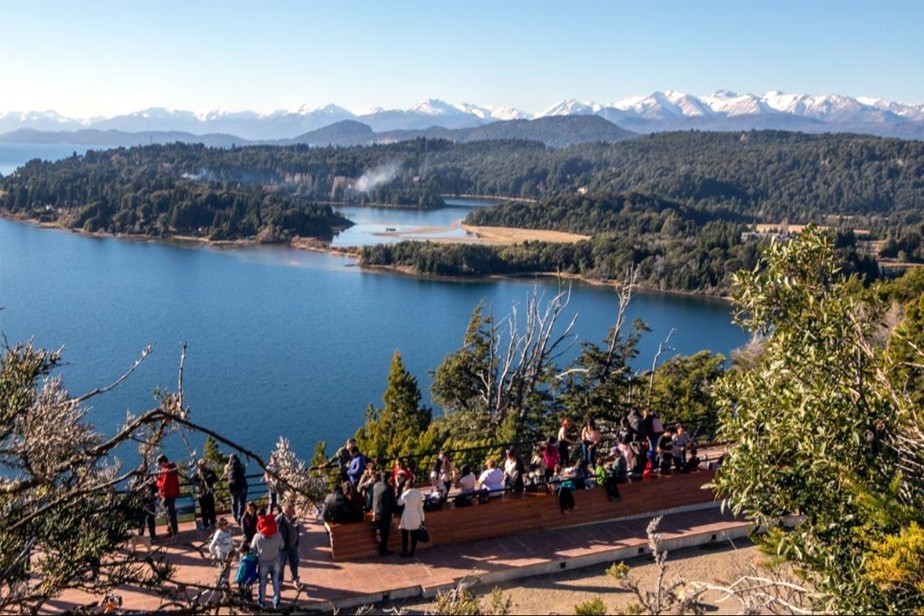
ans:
(372, 179)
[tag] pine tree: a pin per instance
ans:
(213, 455)
(396, 428)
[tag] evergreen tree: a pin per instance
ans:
(398, 427)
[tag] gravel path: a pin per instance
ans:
(558, 594)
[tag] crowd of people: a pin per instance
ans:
(639, 446)
(269, 534)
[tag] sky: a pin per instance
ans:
(86, 59)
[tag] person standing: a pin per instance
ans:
(221, 548)
(653, 429)
(168, 489)
(148, 512)
(342, 459)
(269, 478)
(590, 440)
(204, 482)
(412, 518)
(446, 470)
(287, 522)
(237, 485)
(383, 508)
(249, 522)
(357, 466)
(266, 544)
(564, 440)
(550, 457)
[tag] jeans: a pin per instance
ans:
(589, 453)
(288, 555)
(170, 508)
(238, 502)
(653, 452)
(270, 569)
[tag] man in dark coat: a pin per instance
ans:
(204, 481)
(289, 528)
(383, 508)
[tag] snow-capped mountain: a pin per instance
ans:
(659, 111)
(39, 120)
(493, 113)
(727, 110)
(571, 107)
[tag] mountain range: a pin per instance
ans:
(659, 111)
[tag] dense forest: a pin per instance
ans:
(677, 204)
(671, 247)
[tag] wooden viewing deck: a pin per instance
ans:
(502, 540)
(512, 514)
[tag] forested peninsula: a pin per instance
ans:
(682, 207)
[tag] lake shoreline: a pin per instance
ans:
(323, 246)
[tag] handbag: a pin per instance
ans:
(423, 535)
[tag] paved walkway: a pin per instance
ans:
(327, 584)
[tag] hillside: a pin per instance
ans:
(677, 204)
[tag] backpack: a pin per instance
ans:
(247, 570)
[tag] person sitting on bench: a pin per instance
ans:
(492, 479)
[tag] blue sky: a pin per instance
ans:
(102, 58)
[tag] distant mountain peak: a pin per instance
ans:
(661, 110)
(435, 107)
(329, 109)
(571, 107)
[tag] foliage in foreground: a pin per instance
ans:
(463, 602)
(823, 433)
(67, 503)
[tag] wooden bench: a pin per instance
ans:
(512, 514)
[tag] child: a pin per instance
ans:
(246, 572)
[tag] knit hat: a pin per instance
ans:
(266, 526)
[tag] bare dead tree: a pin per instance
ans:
(523, 348)
(654, 363)
(624, 294)
(766, 592)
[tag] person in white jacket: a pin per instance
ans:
(411, 519)
(221, 544)
(221, 547)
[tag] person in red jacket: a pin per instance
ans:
(168, 488)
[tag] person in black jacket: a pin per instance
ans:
(235, 473)
(383, 508)
(204, 481)
(288, 553)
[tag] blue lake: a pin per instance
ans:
(280, 342)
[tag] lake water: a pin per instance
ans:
(377, 225)
(13, 155)
(280, 342)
